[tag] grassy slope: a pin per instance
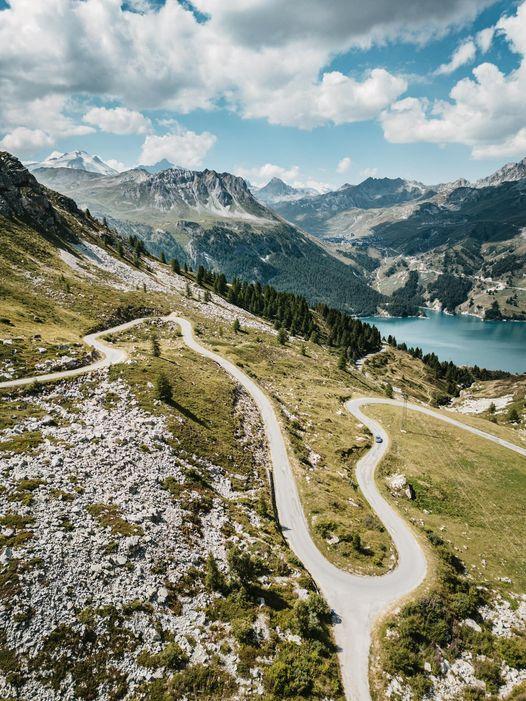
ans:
(309, 388)
(470, 495)
(473, 490)
(325, 440)
(198, 433)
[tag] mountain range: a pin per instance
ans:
(212, 219)
(367, 237)
(460, 235)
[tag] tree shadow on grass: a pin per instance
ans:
(188, 413)
(423, 434)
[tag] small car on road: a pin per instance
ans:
(379, 439)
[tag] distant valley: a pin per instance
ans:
(385, 246)
(463, 242)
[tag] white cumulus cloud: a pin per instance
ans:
(23, 142)
(485, 111)
(119, 166)
(260, 58)
(369, 173)
(118, 120)
(463, 54)
(344, 165)
(260, 175)
(484, 39)
(182, 147)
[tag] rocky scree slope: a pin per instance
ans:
(130, 568)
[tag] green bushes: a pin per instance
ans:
(243, 569)
(488, 671)
(432, 624)
(201, 682)
(312, 614)
(214, 578)
(513, 651)
(304, 671)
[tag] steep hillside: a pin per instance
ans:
(212, 219)
(485, 214)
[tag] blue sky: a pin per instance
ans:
(318, 95)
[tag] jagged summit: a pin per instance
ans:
(188, 193)
(510, 172)
(277, 190)
(164, 164)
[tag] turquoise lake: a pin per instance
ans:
(466, 340)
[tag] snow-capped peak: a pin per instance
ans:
(76, 160)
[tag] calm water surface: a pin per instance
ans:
(496, 345)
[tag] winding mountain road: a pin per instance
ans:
(357, 601)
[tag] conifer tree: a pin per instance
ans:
(155, 346)
(176, 268)
(214, 579)
(163, 389)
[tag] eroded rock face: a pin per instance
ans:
(23, 198)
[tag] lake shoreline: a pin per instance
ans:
(464, 339)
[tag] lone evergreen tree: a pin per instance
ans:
(201, 274)
(236, 326)
(342, 361)
(120, 249)
(176, 268)
(214, 579)
(163, 388)
(282, 336)
(162, 257)
(513, 416)
(156, 348)
(188, 290)
(303, 350)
